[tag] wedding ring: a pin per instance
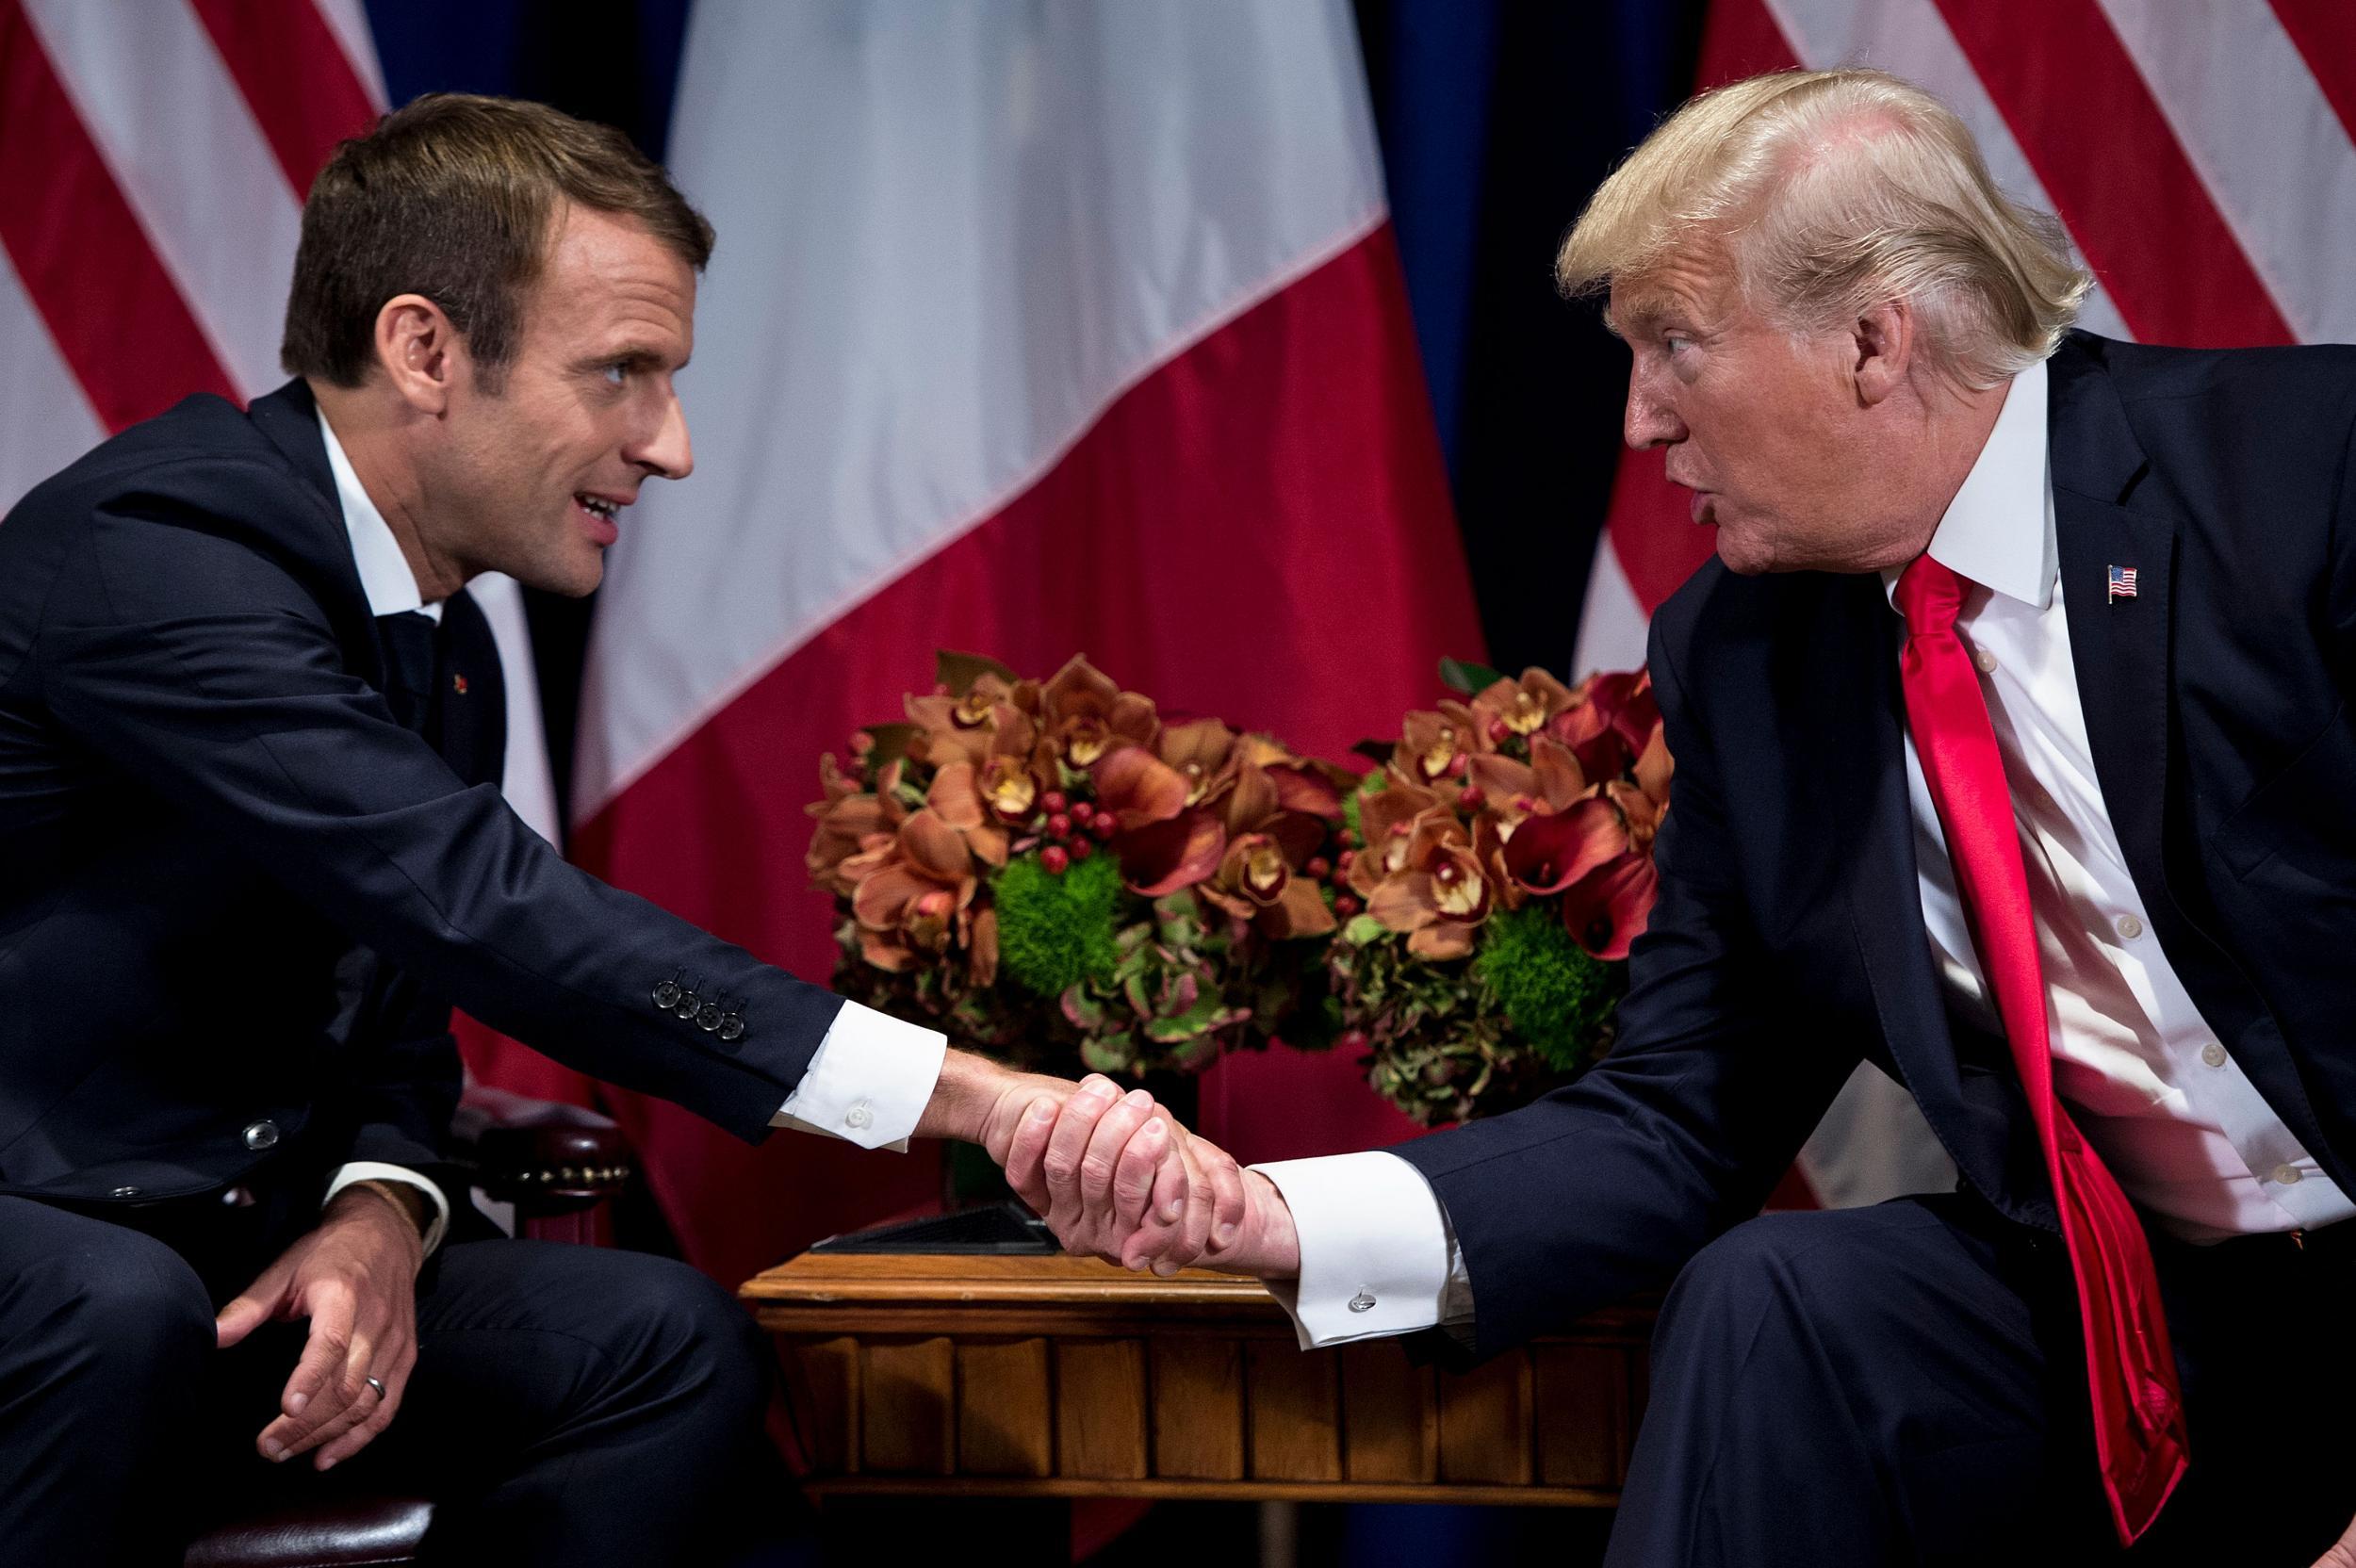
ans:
(374, 1384)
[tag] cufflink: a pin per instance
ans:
(1363, 1301)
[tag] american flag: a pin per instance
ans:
(2123, 583)
(155, 157)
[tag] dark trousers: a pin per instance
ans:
(570, 1404)
(1905, 1384)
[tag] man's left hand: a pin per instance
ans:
(2343, 1553)
(355, 1279)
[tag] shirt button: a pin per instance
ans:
(857, 1116)
(2212, 1054)
(2130, 927)
(1363, 1301)
(261, 1135)
(1985, 660)
(2284, 1175)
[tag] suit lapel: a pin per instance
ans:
(289, 418)
(2106, 518)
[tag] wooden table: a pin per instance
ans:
(1053, 1376)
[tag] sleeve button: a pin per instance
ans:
(666, 995)
(732, 1026)
(707, 1018)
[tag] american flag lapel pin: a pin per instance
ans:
(2122, 583)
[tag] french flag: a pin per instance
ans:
(1031, 331)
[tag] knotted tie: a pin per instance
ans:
(2138, 1409)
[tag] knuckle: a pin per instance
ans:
(1060, 1168)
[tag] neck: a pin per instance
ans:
(376, 440)
(1955, 428)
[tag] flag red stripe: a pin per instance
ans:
(2325, 32)
(113, 311)
(296, 78)
(1650, 524)
(1237, 535)
(2139, 210)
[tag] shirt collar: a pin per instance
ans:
(391, 587)
(1999, 529)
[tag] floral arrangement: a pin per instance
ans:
(1506, 865)
(1058, 872)
(1052, 871)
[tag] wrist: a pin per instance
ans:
(1268, 1246)
(372, 1197)
(969, 1086)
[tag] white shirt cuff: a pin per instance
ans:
(871, 1078)
(1376, 1255)
(377, 1171)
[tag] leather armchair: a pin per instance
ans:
(561, 1166)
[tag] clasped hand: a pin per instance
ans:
(1116, 1177)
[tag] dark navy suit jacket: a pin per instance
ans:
(1789, 941)
(205, 803)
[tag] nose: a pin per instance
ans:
(667, 454)
(1651, 419)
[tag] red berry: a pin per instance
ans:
(1345, 905)
(1470, 797)
(1055, 860)
(1353, 1039)
(1105, 824)
(1081, 849)
(1348, 859)
(1053, 800)
(1059, 827)
(1353, 839)
(1457, 764)
(1319, 867)
(1499, 731)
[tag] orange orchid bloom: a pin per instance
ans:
(1086, 714)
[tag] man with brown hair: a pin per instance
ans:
(251, 849)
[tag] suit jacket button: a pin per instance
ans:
(666, 995)
(238, 1198)
(123, 1192)
(707, 1018)
(262, 1135)
(732, 1026)
(688, 1003)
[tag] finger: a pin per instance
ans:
(1025, 1155)
(1102, 1160)
(1195, 1225)
(1227, 1198)
(314, 1395)
(394, 1364)
(1074, 1126)
(354, 1399)
(256, 1305)
(1133, 1178)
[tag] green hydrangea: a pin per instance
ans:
(1055, 931)
(1557, 994)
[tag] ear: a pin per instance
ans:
(1883, 340)
(422, 352)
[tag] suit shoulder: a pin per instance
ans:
(2294, 385)
(202, 452)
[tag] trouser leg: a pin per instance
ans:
(1865, 1387)
(581, 1406)
(105, 1336)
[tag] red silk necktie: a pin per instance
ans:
(2138, 1409)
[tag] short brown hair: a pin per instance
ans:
(456, 197)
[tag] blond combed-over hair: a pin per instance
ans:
(1832, 191)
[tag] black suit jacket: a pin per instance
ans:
(205, 803)
(1788, 939)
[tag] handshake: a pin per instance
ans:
(1114, 1175)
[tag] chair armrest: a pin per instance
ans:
(546, 1158)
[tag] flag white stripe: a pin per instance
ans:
(2256, 126)
(1612, 622)
(878, 394)
(44, 419)
(176, 131)
(1910, 39)
(349, 21)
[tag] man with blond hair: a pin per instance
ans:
(2013, 755)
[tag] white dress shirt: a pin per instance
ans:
(871, 1075)
(2171, 1113)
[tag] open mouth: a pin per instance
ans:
(601, 516)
